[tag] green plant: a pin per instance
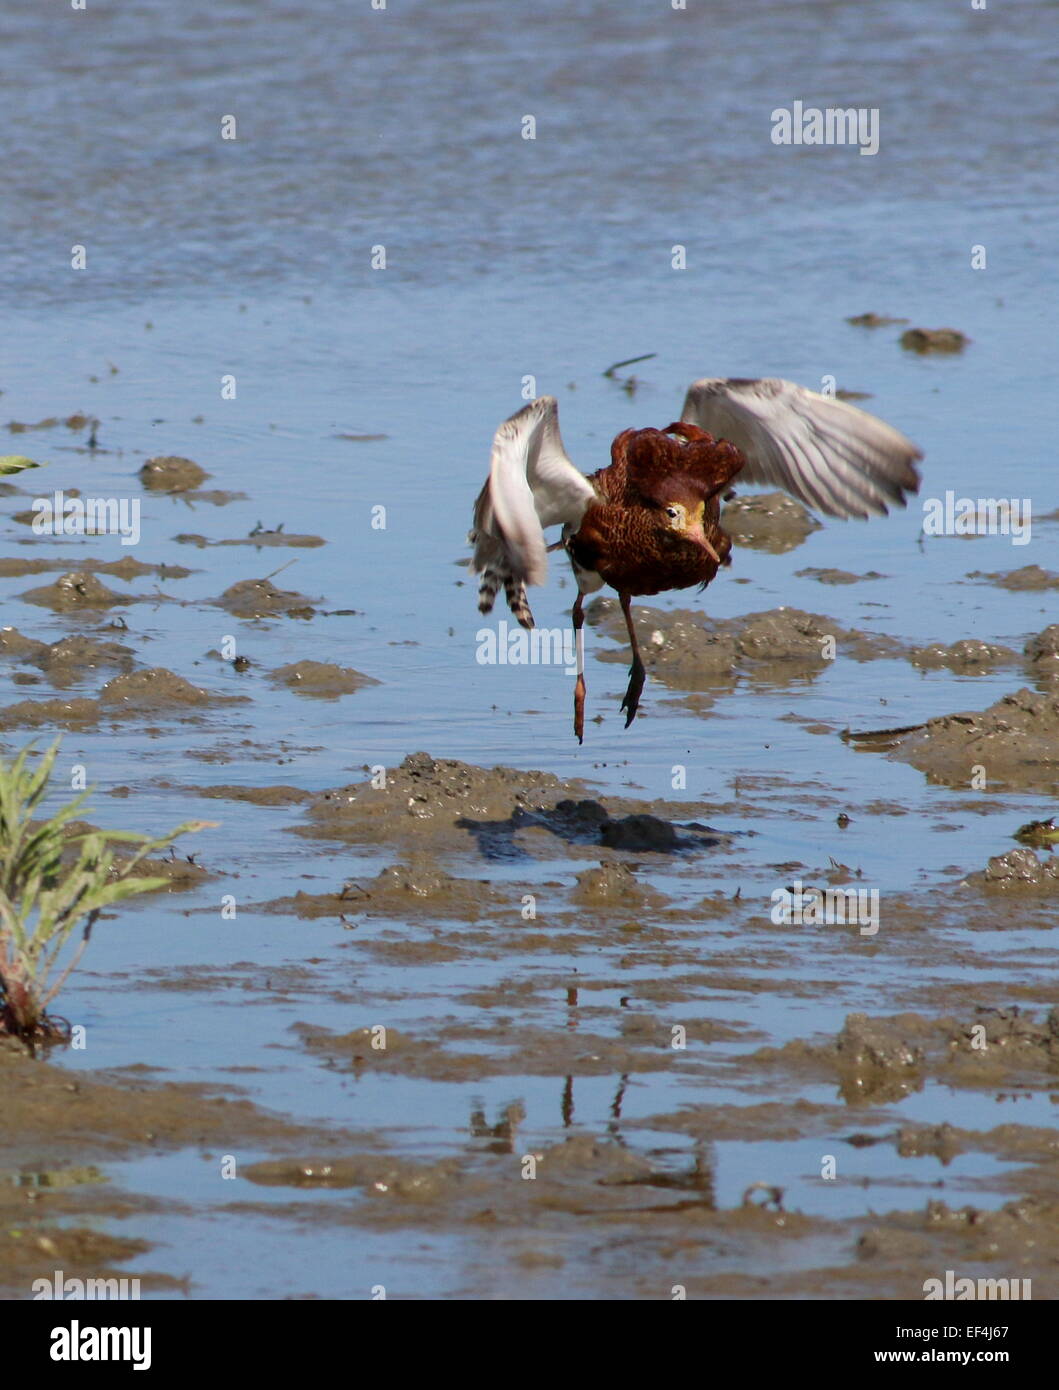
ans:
(51, 881)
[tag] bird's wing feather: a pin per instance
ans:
(532, 484)
(836, 459)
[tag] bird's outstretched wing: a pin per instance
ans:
(836, 459)
(531, 484)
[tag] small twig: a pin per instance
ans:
(279, 571)
(628, 363)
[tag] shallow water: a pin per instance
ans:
(509, 258)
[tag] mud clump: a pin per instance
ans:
(71, 658)
(830, 576)
(258, 598)
(875, 1059)
(155, 688)
(321, 679)
(36, 714)
(964, 656)
(413, 887)
(393, 1180)
(75, 592)
(871, 320)
(1016, 740)
(448, 805)
(515, 1050)
(771, 521)
(613, 884)
(171, 473)
(426, 799)
(788, 634)
(884, 1059)
(681, 648)
(688, 651)
(153, 691)
(256, 796)
(1019, 869)
(1004, 1041)
(1042, 654)
(924, 340)
(1028, 579)
(256, 539)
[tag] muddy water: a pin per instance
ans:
(509, 1036)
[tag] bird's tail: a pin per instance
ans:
(492, 562)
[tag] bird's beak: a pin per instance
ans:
(697, 532)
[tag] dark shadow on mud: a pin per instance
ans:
(588, 823)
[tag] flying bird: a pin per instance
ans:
(650, 521)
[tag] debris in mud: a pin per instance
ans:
(321, 679)
(1028, 579)
(924, 340)
(770, 521)
(171, 473)
(1039, 834)
(75, 592)
(179, 870)
(871, 320)
(259, 598)
(1015, 741)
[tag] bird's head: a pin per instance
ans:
(685, 516)
(682, 510)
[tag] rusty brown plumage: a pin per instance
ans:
(629, 539)
(650, 521)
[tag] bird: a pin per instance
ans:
(649, 522)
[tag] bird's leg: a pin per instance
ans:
(579, 688)
(631, 703)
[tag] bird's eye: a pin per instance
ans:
(673, 513)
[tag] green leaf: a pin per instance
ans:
(16, 463)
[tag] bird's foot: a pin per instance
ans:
(579, 709)
(631, 703)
